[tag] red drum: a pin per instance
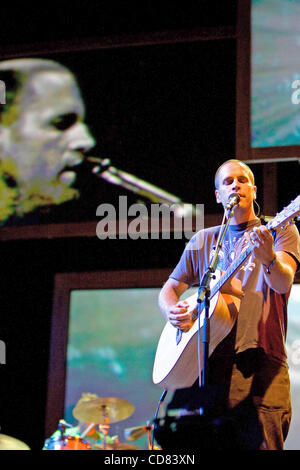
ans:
(66, 443)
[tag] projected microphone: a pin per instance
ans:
(102, 168)
(113, 175)
(233, 200)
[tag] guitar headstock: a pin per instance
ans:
(286, 216)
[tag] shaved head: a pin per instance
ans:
(246, 167)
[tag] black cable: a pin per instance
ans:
(163, 396)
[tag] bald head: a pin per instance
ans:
(239, 162)
(27, 67)
(17, 75)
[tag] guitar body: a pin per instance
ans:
(176, 363)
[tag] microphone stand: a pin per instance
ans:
(204, 292)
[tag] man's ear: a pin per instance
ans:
(254, 189)
(217, 196)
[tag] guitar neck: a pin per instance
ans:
(235, 265)
(280, 220)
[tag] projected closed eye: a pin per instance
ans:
(64, 121)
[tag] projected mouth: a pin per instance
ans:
(71, 159)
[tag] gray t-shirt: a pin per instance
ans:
(262, 319)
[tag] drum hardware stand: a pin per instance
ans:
(149, 439)
(104, 427)
(87, 430)
(62, 426)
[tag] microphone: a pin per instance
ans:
(233, 201)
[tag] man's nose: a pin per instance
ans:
(235, 184)
(80, 138)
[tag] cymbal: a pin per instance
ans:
(10, 443)
(103, 410)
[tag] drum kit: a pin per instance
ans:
(96, 416)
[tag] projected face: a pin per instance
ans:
(43, 136)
